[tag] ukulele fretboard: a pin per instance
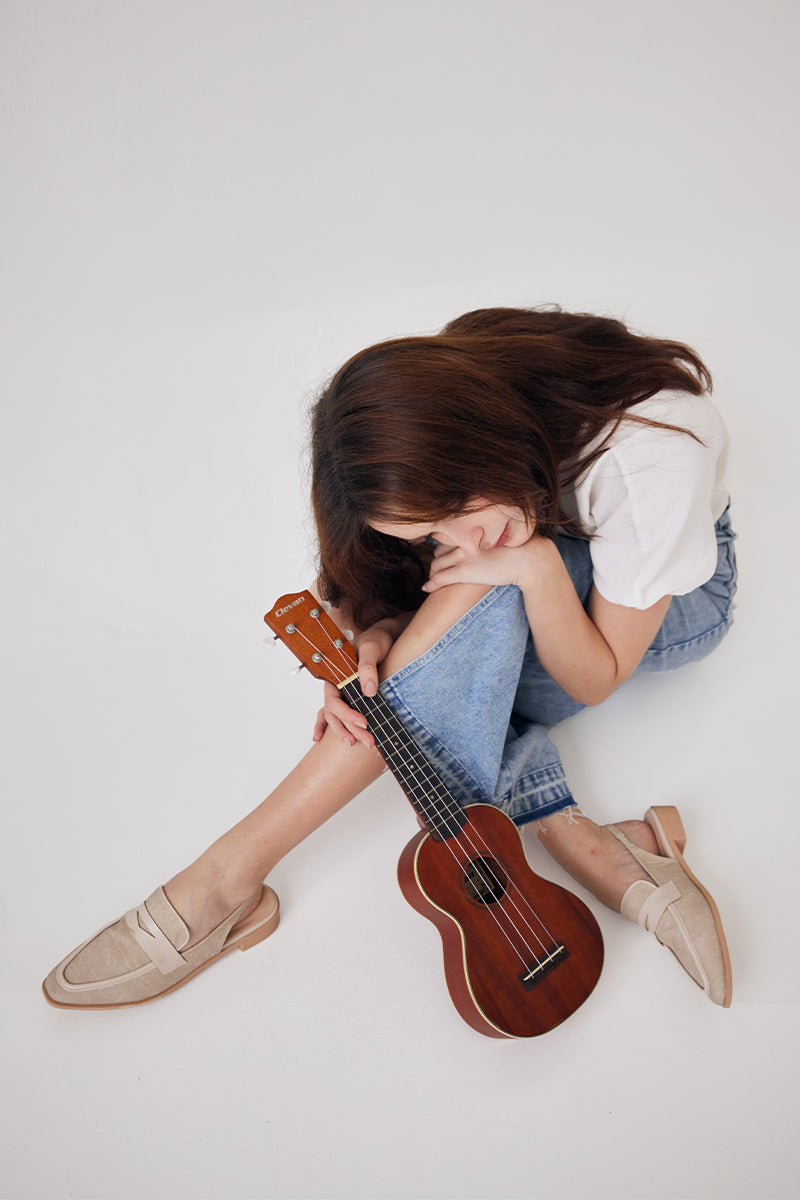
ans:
(430, 798)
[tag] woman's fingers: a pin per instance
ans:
(373, 646)
(368, 675)
(445, 569)
(343, 721)
(346, 722)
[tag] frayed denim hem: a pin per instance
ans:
(534, 795)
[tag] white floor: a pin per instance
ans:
(210, 206)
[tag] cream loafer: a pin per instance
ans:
(141, 956)
(676, 906)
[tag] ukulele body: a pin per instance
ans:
(521, 954)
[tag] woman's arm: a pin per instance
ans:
(589, 652)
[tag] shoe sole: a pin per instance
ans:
(244, 939)
(667, 826)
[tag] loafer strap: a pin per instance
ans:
(153, 940)
(656, 904)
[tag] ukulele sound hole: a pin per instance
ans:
(485, 880)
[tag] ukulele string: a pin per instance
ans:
(451, 809)
(470, 840)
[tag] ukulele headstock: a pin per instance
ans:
(300, 622)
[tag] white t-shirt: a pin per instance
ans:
(651, 500)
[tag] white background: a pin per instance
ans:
(207, 206)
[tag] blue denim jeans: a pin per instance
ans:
(480, 704)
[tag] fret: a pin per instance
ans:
(427, 793)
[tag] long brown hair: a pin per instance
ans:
(501, 405)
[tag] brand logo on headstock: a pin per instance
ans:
(288, 607)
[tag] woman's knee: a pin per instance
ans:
(437, 614)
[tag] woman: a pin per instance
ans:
(516, 514)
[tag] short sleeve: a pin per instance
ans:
(650, 502)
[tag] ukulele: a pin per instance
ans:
(521, 954)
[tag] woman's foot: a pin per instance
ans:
(638, 869)
(203, 898)
(593, 856)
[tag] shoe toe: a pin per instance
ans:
(688, 930)
(107, 955)
(682, 921)
(672, 934)
(107, 969)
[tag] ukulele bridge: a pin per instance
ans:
(529, 979)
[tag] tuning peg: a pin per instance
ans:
(270, 642)
(297, 670)
(348, 633)
(325, 605)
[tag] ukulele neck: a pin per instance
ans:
(434, 804)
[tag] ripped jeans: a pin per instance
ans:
(481, 706)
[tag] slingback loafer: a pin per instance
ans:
(676, 906)
(141, 956)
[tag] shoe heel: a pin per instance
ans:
(263, 931)
(666, 823)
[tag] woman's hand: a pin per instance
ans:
(503, 565)
(372, 647)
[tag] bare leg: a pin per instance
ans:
(330, 774)
(593, 856)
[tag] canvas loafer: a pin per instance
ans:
(676, 907)
(140, 956)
